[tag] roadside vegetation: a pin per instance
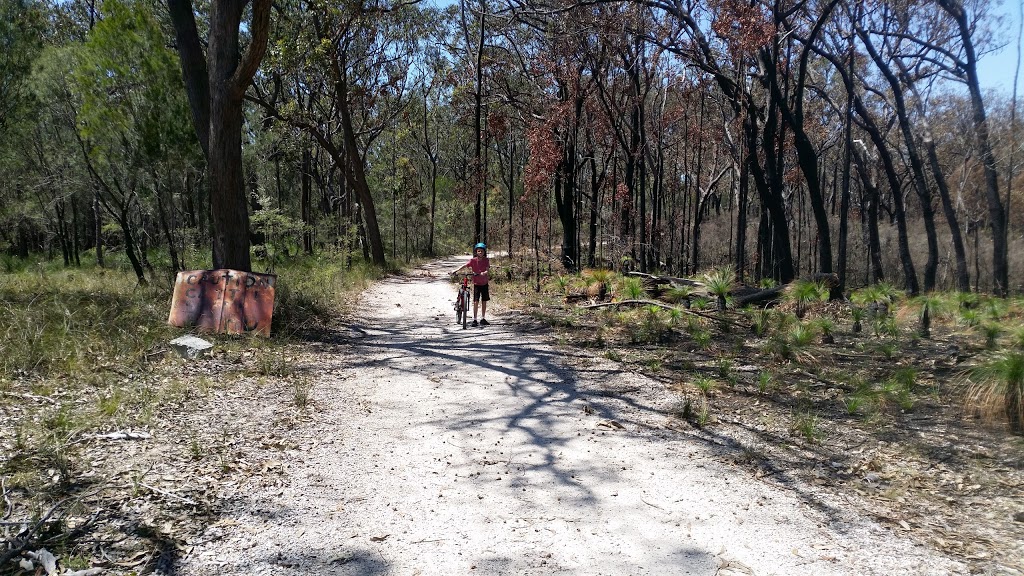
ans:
(87, 372)
(910, 407)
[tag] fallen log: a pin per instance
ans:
(767, 296)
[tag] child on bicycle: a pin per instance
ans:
(481, 267)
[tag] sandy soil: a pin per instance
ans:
(437, 450)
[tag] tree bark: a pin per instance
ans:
(996, 211)
(216, 87)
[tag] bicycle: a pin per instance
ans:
(462, 301)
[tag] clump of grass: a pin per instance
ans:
(853, 403)
(704, 384)
(301, 388)
(696, 411)
(653, 327)
(808, 425)
(995, 388)
(802, 335)
(272, 363)
(702, 338)
(765, 382)
(992, 331)
(632, 288)
(895, 393)
(826, 327)
(804, 293)
(720, 282)
(761, 321)
(679, 295)
(926, 308)
(857, 315)
(885, 326)
(725, 372)
(602, 275)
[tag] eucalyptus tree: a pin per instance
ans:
(962, 62)
(128, 124)
(216, 79)
(870, 116)
(723, 46)
(22, 28)
(343, 76)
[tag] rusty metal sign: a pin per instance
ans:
(223, 301)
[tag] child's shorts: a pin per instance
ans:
(481, 292)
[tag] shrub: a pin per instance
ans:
(719, 283)
(633, 288)
(997, 386)
(805, 293)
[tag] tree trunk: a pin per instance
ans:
(357, 178)
(996, 211)
(305, 200)
(215, 88)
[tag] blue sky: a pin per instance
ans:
(996, 70)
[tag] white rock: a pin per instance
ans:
(191, 346)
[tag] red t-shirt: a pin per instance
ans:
(479, 265)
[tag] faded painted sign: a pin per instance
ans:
(223, 301)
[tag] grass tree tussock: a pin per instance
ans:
(910, 406)
(113, 449)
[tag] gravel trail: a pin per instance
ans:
(437, 450)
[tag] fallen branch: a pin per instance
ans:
(20, 542)
(8, 506)
(665, 307)
(169, 494)
(665, 279)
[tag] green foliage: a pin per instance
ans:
(653, 327)
(808, 425)
(602, 275)
(702, 338)
(705, 384)
(564, 283)
(826, 327)
(632, 288)
(314, 289)
(761, 321)
(802, 334)
(282, 236)
(992, 331)
(895, 393)
(679, 295)
(69, 324)
(128, 79)
(720, 282)
(996, 388)
(857, 315)
(765, 382)
(804, 293)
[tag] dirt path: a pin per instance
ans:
(442, 451)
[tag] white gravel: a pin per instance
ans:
(438, 450)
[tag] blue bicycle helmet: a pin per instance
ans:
(480, 245)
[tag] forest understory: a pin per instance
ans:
(118, 468)
(876, 417)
